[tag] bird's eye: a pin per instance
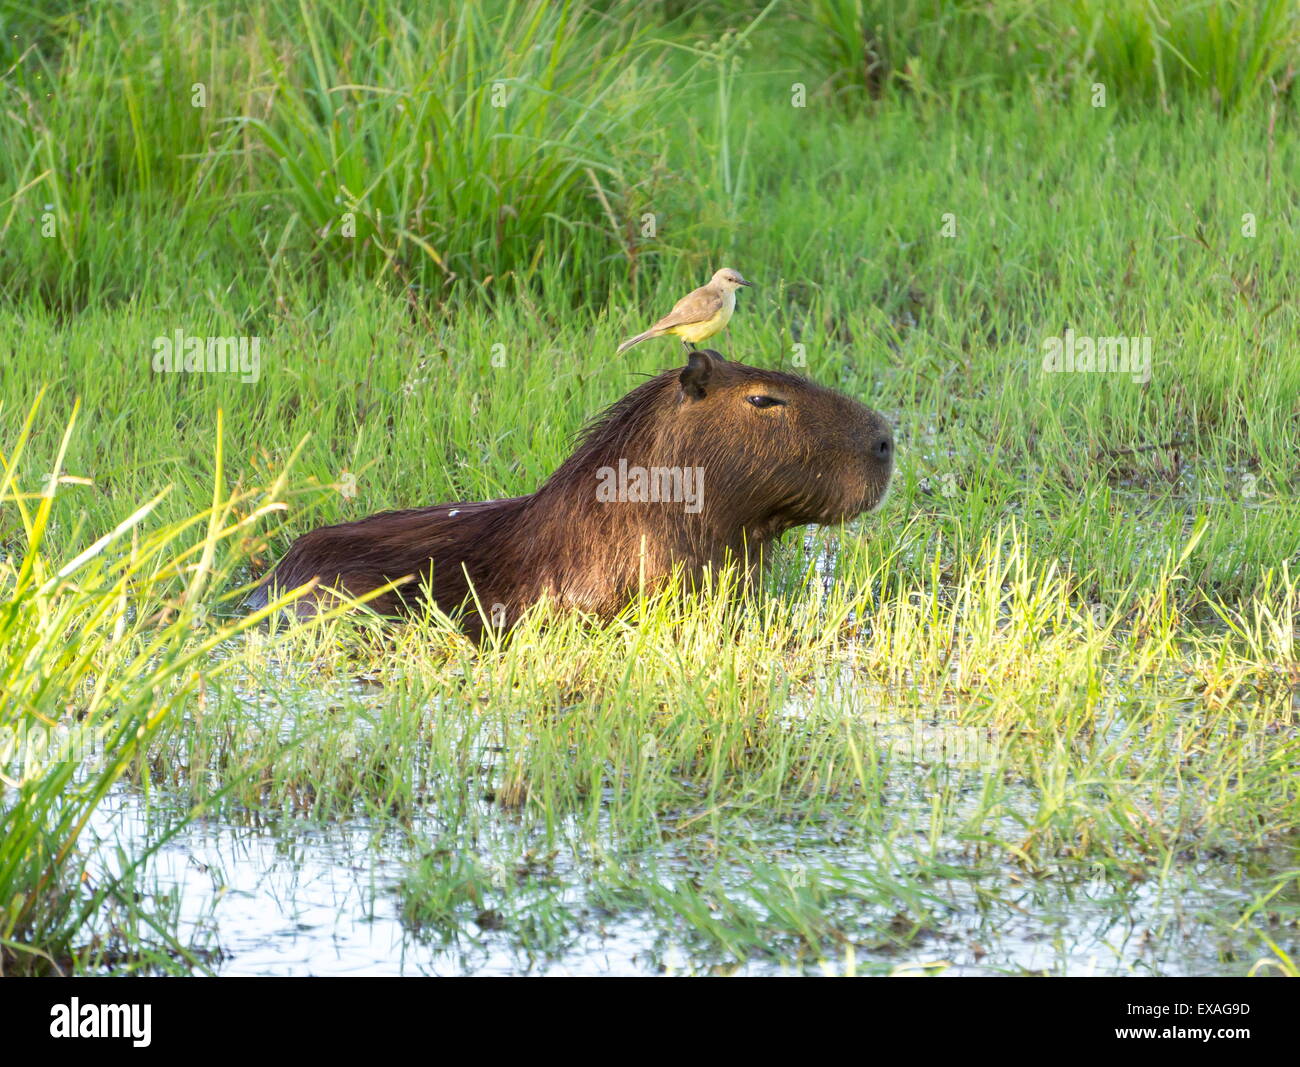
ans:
(765, 401)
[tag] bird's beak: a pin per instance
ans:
(743, 282)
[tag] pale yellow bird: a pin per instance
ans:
(698, 315)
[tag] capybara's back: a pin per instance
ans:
(691, 468)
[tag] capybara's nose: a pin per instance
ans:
(882, 448)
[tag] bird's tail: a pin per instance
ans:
(635, 341)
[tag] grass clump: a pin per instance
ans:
(1145, 51)
(102, 652)
(450, 148)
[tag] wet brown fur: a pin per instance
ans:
(820, 457)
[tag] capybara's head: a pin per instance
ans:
(782, 444)
(774, 450)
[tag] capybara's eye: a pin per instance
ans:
(765, 401)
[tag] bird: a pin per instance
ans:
(698, 315)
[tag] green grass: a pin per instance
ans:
(1056, 675)
(1155, 51)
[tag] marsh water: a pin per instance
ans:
(303, 897)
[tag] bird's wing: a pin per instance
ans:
(697, 306)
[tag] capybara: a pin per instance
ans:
(693, 467)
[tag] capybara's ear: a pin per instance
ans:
(695, 376)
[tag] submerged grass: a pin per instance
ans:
(768, 782)
(1040, 712)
